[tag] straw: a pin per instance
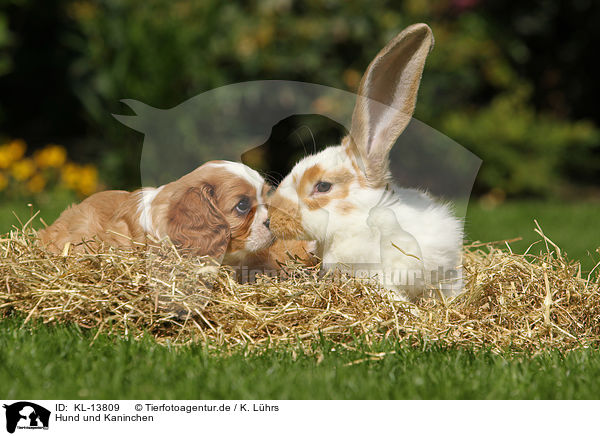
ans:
(520, 302)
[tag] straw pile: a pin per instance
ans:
(511, 301)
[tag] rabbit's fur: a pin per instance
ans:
(344, 199)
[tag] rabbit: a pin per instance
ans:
(343, 197)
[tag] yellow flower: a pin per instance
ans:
(83, 10)
(70, 174)
(88, 180)
(12, 152)
(23, 169)
(83, 179)
(36, 184)
(3, 182)
(50, 156)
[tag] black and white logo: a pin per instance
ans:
(26, 415)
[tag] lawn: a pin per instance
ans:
(58, 361)
(572, 226)
(12, 212)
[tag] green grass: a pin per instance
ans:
(572, 226)
(50, 207)
(58, 362)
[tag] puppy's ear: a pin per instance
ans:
(196, 225)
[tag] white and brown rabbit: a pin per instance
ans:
(343, 197)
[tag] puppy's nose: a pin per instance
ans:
(267, 222)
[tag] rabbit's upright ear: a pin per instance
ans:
(386, 99)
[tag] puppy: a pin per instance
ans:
(216, 210)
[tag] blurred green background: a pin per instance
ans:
(514, 82)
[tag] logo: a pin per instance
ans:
(26, 415)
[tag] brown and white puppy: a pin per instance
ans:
(216, 210)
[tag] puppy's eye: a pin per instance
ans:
(243, 205)
(323, 187)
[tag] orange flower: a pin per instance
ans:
(351, 78)
(23, 169)
(50, 156)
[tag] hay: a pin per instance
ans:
(511, 301)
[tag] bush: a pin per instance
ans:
(475, 87)
(523, 152)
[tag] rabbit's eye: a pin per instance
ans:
(323, 187)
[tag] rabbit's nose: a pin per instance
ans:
(267, 223)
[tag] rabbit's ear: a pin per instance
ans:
(386, 98)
